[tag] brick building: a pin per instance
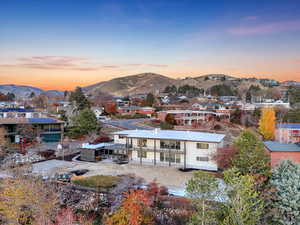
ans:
(282, 151)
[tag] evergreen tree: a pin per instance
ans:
(84, 123)
(251, 157)
(10, 96)
(244, 205)
(32, 95)
(202, 189)
(286, 180)
(78, 98)
(150, 100)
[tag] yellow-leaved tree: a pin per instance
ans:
(267, 123)
(26, 200)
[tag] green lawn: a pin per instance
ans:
(98, 181)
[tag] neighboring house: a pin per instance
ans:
(248, 107)
(122, 103)
(19, 113)
(184, 149)
(228, 98)
(192, 117)
(198, 106)
(148, 111)
(287, 132)
(9, 104)
(270, 103)
(50, 129)
(282, 151)
(98, 111)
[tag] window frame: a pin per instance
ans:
(198, 144)
(144, 154)
(200, 158)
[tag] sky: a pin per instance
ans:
(61, 44)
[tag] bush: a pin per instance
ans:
(131, 116)
(98, 181)
(166, 126)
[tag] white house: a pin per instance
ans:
(185, 149)
(98, 111)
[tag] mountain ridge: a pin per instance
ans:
(24, 91)
(140, 83)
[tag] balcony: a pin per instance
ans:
(147, 149)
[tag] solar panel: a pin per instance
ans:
(42, 120)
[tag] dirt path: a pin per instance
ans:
(167, 176)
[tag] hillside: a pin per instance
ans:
(151, 82)
(134, 84)
(22, 91)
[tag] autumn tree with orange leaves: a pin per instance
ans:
(135, 210)
(267, 123)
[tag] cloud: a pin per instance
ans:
(111, 67)
(54, 63)
(68, 63)
(266, 28)
(134, 64)
(158, 65)
(297, 61)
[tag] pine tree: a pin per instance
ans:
(84, 123)
(244, 205)
(202, 189)
(286, 180)
(251, 157)
(78, 98)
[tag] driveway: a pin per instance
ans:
(131, 124)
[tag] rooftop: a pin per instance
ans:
(289, 125)
(173, 135)
(275, 146)
(16, 110)
(29, 121)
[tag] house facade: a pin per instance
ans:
(148, 111)
(14, 119)
(184, 149)
(287, 132)
(193, 117)
(282, 151)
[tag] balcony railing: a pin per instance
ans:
(147, 149)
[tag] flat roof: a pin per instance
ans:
(289, 125)
(16, 110)
(96, 146)
(173, 135)
(193, 111)
(30, 121)
(275, 146)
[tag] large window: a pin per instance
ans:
(142, 142)
(173, 157)
(142, 154)
(169, 144)
(202, 145)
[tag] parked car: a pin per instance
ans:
(64, 177)
(79, 172)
